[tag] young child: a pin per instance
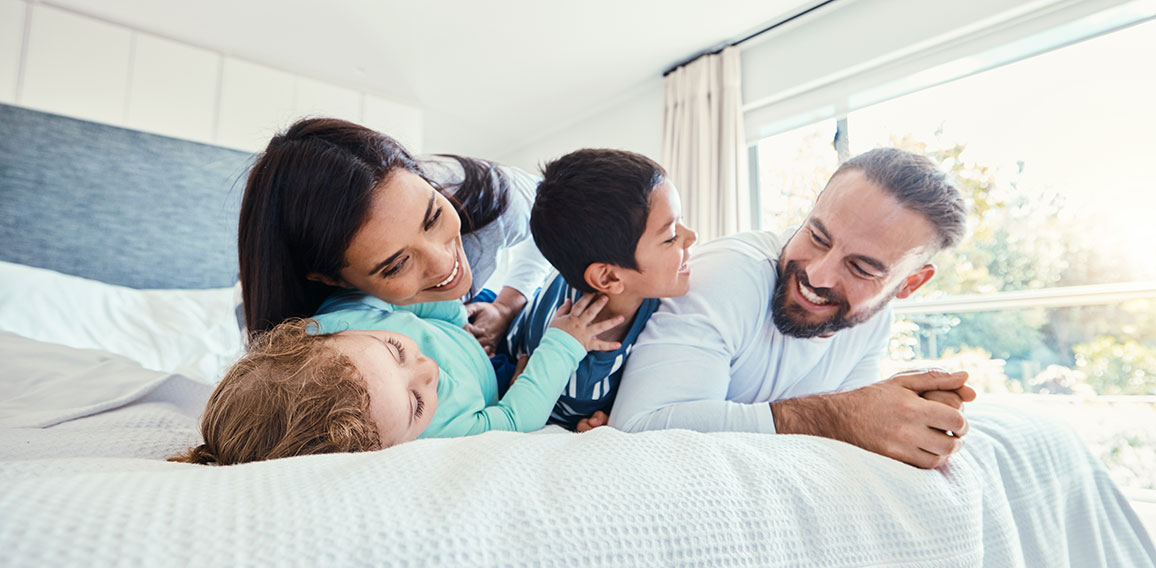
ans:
(365, 375)
(610, 223)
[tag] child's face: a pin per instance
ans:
(402, 382)
(664, 249)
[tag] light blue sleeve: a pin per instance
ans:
(527, 404)
(367, 312)
(452, 311)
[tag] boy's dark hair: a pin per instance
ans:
(592, 207)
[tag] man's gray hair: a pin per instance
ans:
(916, 182)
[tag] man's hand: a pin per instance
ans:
(954, 399)
(593, 421)
(890, 418)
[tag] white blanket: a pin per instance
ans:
(94, 491)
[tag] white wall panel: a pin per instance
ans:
(11, 40)
(58, 61)
(173, 90)
(402, 122)
(76, 66)
(314, 98)
(632, 123)
(256, 102)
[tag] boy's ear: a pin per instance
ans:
(915, 280)
(604, 278)
(335, 282)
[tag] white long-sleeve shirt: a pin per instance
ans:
(713, 360)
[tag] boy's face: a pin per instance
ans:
(663, 251)
(402, 382)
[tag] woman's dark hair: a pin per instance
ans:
(309, 193)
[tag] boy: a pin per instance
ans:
(610, 223)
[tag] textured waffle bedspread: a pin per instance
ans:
(94, 491)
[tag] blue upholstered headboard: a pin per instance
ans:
(117, 205)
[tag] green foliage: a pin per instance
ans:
(1117, 367)
(1013, 233)
(1008, 335)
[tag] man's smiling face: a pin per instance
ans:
(858, 249)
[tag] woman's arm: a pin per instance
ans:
(527, 267)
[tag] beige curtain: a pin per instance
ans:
(703, 146)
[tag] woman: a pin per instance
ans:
(331, 205)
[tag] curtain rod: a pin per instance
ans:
(718, 48)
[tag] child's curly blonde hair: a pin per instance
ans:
(292, 394)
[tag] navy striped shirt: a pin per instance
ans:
(594, 384)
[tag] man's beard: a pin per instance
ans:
(791, 320)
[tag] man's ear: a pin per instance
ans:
(604, 278)
(917, 279)
(336, 283)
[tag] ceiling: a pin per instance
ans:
(490, 76)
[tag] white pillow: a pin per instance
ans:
(191, 332)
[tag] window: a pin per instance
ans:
(1051, 301)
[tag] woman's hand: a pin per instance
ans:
(489, 321)
(577, 319)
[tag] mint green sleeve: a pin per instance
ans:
(353, 315)
(530, 399)
(452, 311)
(370, 313)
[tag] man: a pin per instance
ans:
(788, 338)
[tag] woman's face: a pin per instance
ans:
(410, 249)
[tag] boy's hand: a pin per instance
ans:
(577, 320)
(593, 421)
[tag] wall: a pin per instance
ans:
(61, 62)
(630, 122)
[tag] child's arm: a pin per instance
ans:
(528, 403)
(362, 311)
(452, 311)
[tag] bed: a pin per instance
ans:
(117, 315)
